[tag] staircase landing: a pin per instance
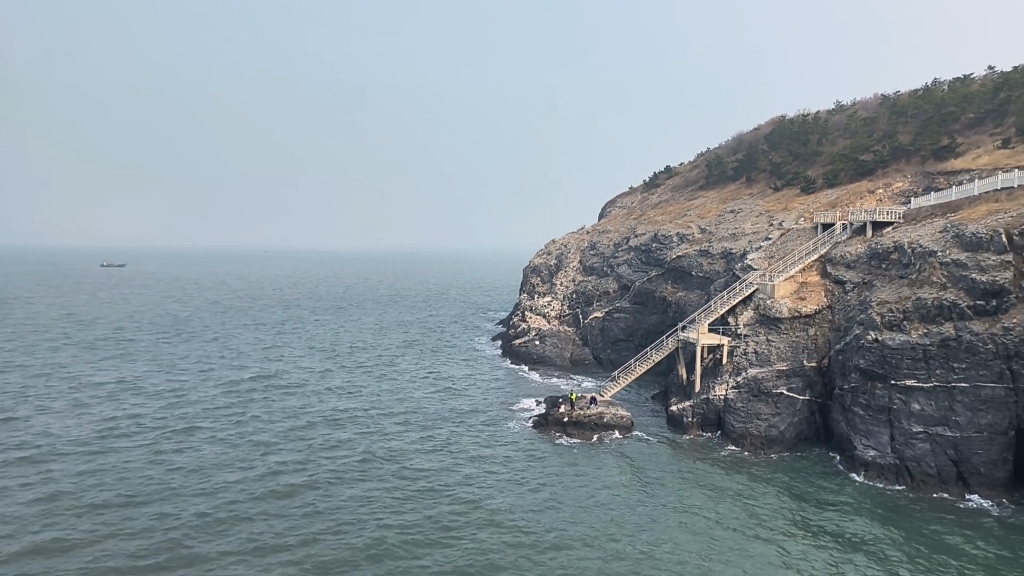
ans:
(706, 338)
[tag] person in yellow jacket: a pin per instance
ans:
(572, 400)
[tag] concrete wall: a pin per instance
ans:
(778, 290)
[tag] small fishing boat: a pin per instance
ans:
(112, 265)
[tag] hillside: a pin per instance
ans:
(904, 352)
(855, 140)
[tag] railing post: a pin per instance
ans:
(975, 187)
(1016, 177)
(931, 197)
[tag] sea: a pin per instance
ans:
(267, 412)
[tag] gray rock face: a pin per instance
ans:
(769, 397)
(904, 352)
(927, 363)
(585, 422)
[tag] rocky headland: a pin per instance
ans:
(904, 353)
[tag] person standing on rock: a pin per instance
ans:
(572, 400)
(593, 401)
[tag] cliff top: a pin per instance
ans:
(865, 152)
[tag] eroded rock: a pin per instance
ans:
(585, 422)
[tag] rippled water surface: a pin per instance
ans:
(259, 413)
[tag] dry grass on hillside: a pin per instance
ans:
(1009, 204)
(863, 153)
(681, 204)
(981, 155)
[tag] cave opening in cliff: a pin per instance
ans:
(1018, 460)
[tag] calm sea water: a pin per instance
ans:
(261, 413)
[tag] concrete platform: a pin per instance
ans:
(706, 338)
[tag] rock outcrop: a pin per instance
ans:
(926, 369)
(585, 422)
(904, 352)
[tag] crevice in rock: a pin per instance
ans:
(910, 474)
(961, 480)
(1018, 437)
(825, 413)
(892, 435)
(632, 289)
(828, 387)
(1018, 459)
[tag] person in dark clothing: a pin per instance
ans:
(593, 400)
(572, 400)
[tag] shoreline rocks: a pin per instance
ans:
(585, 422)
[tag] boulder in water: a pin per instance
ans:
(585, 422)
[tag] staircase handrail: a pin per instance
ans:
(802, 255)
(647, 353)
(729, 298)
(748, 280)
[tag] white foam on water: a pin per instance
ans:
(975, 501)
(607, 436)
(566, 441)
(863, 480)
(970, 501)
(518, 425)
(730, 450)
(525, 409)
(485, 345)
(642, 436)
(566, 382)
(529, 405)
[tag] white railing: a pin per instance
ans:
(666, 344)
(882, 214)
(641, 363)
(805, 254)
(830, 217)
(1001, 180)
(733, 294)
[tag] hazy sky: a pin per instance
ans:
(416, 125)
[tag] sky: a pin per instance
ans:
(419, 125)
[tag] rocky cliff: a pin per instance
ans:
(904, 352)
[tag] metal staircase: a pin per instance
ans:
(806, 254)
(641, 363)
(721, 304)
